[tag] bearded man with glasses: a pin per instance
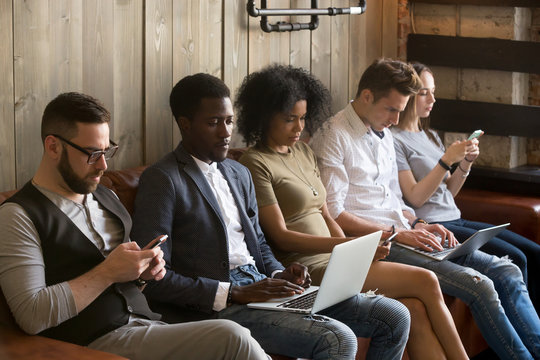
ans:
(68, 269)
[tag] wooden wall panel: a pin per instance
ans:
(32, 78)
(235, 51)
(389, 28)
(98, 53)
(128, 82)
(129, 54)
(358, 61)
(300, 49)
(65, 54)
(7, 117)
(339, 60)
(197, 37)
(321, 50)
(158, 75)
(197, 28)
(268, 48)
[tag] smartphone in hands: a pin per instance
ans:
(390, 239)
(475, 134)
(159, 241)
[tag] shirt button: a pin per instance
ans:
(223, 264)
(130, 309)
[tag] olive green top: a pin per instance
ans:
(287, 180)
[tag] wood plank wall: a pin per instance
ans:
(129, 54)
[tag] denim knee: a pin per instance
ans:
(482, 287)
(398, 321)
(341, 338)
(505, 274)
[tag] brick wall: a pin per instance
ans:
(533, 145)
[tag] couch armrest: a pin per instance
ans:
(14, 344)
(522, 212)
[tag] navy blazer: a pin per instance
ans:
(174, 198)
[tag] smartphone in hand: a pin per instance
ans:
(159, 241)
(475, 134)
(390, 239)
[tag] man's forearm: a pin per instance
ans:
(410, 217)
(353, 225)
(87, 287)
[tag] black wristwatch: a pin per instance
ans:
(140, 282)
(418, 220)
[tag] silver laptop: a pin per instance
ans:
(344, 277)
(474, 242)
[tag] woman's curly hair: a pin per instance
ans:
(276, 89)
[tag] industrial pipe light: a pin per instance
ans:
(264, 12)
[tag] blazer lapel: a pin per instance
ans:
(188, 165)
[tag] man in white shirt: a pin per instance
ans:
(217, 257)
(67, 267)
(356, 158)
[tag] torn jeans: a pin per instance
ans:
(494, 290)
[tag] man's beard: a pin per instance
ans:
(77, 184)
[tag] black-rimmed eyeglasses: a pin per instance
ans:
(94, 155)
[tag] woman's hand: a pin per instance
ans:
(382, 251)
(455, 152)
(461, 149)
(472, 151)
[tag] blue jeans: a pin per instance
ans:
(523, 252)
(494, 290)
(332, 333)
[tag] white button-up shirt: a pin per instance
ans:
(359, 170)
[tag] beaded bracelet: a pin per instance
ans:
(465, 173)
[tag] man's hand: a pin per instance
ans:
(382, 251)
(297, 274)
(422, 239)
(264, 290)
(127, 262)
(156, 269)
(439, 229)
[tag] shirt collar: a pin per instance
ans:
(205, 167)
(355, 121)
(358, 125)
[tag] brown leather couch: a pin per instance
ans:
(522, 212)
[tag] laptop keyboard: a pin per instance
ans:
(301, 302)
(442, 252)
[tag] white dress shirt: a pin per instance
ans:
(359, 170)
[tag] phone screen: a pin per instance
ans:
(160, 241)
(475, 134)
(391, 238)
